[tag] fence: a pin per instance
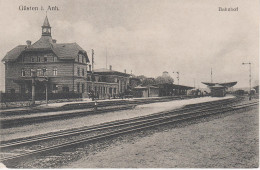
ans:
(13, 97)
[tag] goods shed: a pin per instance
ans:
(170, 89)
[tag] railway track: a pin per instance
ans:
(9, 119)
(187, 107)
(117, 127)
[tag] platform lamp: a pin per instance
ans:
(249, 63)
(178, 78)
(34, 75)
(46, 84)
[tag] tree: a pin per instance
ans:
(164, 79)
(148, 81)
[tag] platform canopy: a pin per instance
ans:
(229, 84)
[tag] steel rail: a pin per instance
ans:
(142, 125)
(101, 126)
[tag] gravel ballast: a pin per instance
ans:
(229, 141)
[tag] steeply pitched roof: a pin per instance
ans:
(43, 42)
(46, 22)
(63, 50)
(68, 50)
(14, 53)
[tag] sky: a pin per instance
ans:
(147, 36)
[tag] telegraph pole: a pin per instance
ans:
(211, 76)
(178, 77)
(250, 76)
(92, 74)
(92, 60)
(106, 58)
(33, 86)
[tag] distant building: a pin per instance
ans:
(165, 74)
(134, 82)
(63, 66)
(106, 83)
(147, 91)
(219, 89)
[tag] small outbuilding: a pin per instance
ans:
(146, 91)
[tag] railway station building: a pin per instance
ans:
(107, 83)
(62, 66)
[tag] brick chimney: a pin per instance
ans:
(110, 67)
(29, 43)
(125, 71)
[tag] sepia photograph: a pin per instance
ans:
(129, 84)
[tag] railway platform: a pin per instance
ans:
(94, 119)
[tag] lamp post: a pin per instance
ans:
(46, 84)
(178, 78)
(92, 75)
(249, 63)
(33, 86)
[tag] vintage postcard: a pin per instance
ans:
(129, 84)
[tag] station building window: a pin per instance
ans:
(78, 58)
(83, 72)
(23, 73)
(54, 59)
(44, 71)
(31, 72)
(82, 59)
(45, 58)
(39, 72)
(83, 87)
(55, 71)
(78, 87)
(78, 71)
